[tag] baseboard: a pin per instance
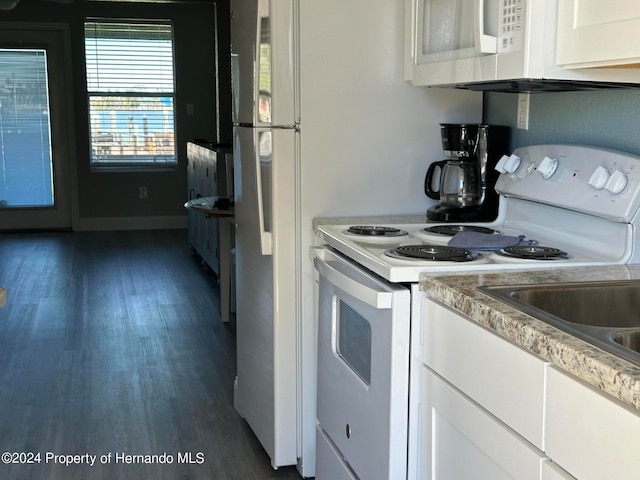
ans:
(129, 223)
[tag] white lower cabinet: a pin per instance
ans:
(204, 167)
(501, 377)
(590, 434)
(482, 406)
(463, 441)
(490, 410)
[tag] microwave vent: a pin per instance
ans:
(543, 85)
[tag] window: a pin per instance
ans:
(130, 83)
(26, 174)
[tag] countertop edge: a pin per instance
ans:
(604, 371)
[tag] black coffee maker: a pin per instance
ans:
(464, 182)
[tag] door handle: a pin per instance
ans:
(484, 43)
(266, 239)
(341, 278)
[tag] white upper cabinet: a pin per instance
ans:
(595, 33)
(541, 44)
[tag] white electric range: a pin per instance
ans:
(580, 201)
(560, 206)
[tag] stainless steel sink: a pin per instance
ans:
(605, 314)
(629, 339)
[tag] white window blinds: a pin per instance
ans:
(130, 83)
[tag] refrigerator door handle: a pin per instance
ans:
(266, 241)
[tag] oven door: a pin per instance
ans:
(363, 367)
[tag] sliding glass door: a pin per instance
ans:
(35, 129)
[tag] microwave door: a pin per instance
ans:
(456, 29)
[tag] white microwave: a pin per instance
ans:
(500, 45)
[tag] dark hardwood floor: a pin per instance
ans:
(111, 345)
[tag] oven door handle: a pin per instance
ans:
(351, 280)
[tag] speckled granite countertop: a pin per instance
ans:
(605, 371)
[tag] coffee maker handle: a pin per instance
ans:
(428, 180)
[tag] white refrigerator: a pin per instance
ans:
(324, 125)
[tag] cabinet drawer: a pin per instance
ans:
(588, 433)
(501, 377)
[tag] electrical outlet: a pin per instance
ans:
(143, 193)
(522, 121)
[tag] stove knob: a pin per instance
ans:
(548, 166)
(599, 178)
(511, 164)
(501, 163)
(617, 182)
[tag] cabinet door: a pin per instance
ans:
(500, 376)
(590, 434)
(462, 440)
(210, 247)
(593, 33)
(193, 184)
(209, 178)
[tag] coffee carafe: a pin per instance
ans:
(464, 182)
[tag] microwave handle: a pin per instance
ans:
(346, 279)
(484, 43)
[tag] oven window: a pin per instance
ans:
(354, 341)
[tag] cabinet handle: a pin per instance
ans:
(484, 43)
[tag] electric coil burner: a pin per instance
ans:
(533, 252)
(451, 230)
(438, 253)
(376, 234)
(375, 231)
(441, 234)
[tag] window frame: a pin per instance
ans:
(131, 164)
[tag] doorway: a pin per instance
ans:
(36, 128)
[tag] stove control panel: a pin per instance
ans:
(600, 182)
